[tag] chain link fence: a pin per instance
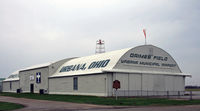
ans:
(157, 94)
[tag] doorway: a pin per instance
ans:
(31, 88)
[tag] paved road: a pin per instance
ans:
(44, 105)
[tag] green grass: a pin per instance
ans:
(105, 101)
(192, 89)
(4, 106)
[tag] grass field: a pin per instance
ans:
(192, 89)
(4, 106)
(105, 101)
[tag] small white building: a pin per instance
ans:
(11, 84)
(1, 84)
(34, 79)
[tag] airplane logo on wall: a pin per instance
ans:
(38, 77)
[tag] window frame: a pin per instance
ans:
(10, 85)
(75, 83)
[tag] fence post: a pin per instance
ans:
(178, 94)
(167, 94)
(190, 95)
(128, 93)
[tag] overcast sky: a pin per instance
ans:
(40, 31)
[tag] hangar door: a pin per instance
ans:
(31, 88)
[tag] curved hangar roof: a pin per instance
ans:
(13, 77)
(141, 59)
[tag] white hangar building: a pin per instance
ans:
(11, 84)
(34, 79)
(139, 69)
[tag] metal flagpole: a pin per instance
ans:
(145, 41)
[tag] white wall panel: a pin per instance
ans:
(87, 85)
(135, 81)
(147, 82)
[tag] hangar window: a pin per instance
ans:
(75, 80)
(10, 85)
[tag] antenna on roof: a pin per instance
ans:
(100, 46)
